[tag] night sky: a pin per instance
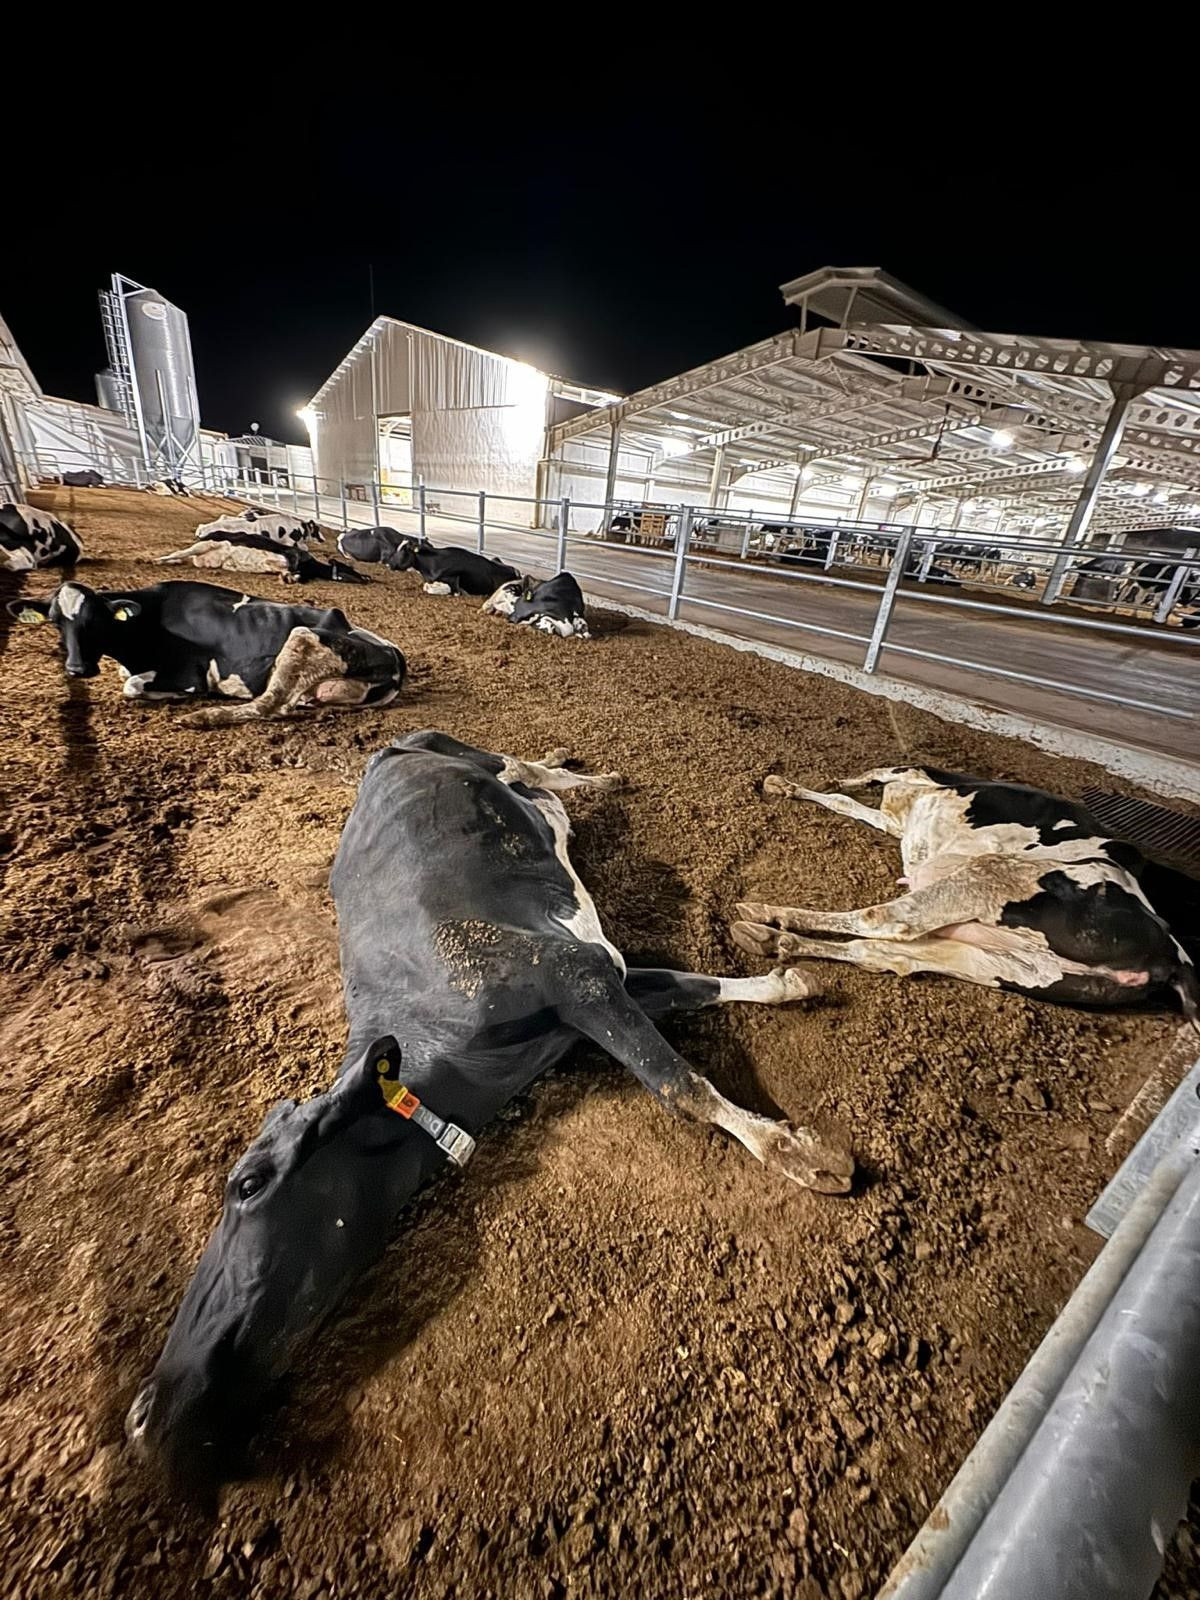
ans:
(609, 248)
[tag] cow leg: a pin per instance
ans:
(968, 895)
(661, 992)
(302, 666)
(553, 778)
(178, 556)
(946, 957)
(840, 803)
(864, 780)
(597, 1006)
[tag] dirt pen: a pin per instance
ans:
(614, 1356)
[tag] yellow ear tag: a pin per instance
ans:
(122, 615)
(28, 614)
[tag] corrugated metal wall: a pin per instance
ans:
(478, 419)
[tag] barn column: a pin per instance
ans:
(1124, 394)
(610, 477)
(716, 493)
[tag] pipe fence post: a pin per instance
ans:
(376, 495)
(745, 543)
(316, 498)
(295, 498)
(421, 505)
(345, 510)
(564, 517)
(482, 518)
(831, 553)
(1167, 604)
(888, 600)
(926, 560)
(682, 540)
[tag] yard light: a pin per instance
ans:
(1159, 497)
(887, 491)
(1140, 489)
(673, 445)
(1002, 439)
(1075, 465)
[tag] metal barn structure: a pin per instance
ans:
(883, 406)
(408, 406)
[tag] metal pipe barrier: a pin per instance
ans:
(906, 560)
(1077, 1482)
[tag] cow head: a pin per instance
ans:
(307, 1209)
(89, 624)
(312, 530)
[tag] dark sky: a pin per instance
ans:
(605, 245)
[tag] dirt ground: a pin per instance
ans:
(614, 1356)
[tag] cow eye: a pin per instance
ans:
(250, 1185)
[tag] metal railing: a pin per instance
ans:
(899, 564)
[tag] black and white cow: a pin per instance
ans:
(1006, 886)
(375, 544)
(472, 961)
(179, 641)
(555, 605)
(277, 525)
(251, 552)
(449, 569)
(30, 538)
(174, 486)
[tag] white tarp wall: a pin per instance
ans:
(60, 436)
(478, 419)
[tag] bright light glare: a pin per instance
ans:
(1076, 465)
(886, 491)
(672, 445)
(1002, 439)
(1140, 489)
(1159, 497)
(849, 481)
(308, 417)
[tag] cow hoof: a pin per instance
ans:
(795, 984)
(774, 784)
(558, 757)
(608, 781)
(753, 911)
(806, 1158)
(756, 940)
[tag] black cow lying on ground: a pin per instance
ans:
(375, 544)
(553, 606)
(251, 552)
(1007, 886)
(83, 478)
(276, 525)
(472, 960)
(449, 569)
(30, 538)
(177, 641)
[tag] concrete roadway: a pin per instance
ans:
(1160, 671)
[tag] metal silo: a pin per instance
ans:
(150, 357)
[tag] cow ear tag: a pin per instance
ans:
(386, 1056)
(29, 615)
(121, 614)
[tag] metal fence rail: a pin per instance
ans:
(904, 564)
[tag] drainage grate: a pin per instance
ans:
(1165, 836)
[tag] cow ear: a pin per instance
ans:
(124, 610)
(29, 611)
(371, 1084)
